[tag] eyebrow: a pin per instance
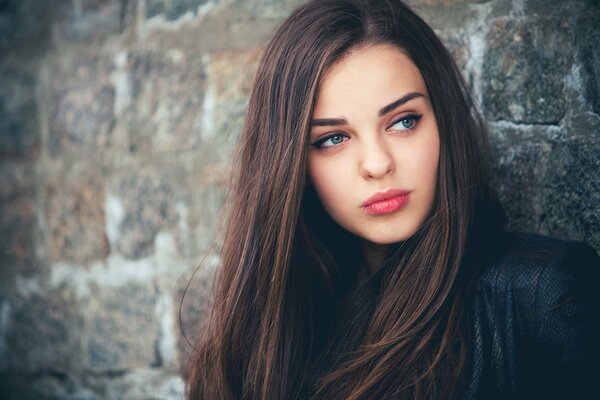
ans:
(329, 122)
(384, 110)
(404, 99)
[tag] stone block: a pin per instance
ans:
(85, 20)
(437, 3)
(588, 37)
(17, 231)
(167, 96)
(553, 7)
(456, 41)
(81, 104)
(524, 69)
(25, 22)
(206, 219)
(19, 119)
(230, 78)
(75, 218)
(172, 10)
(43, 332)
(449, 17)
(174, 201)
(151, 201)
(44, 387)
(18, 223)
(231, 74)
(266, 8)
(140, 383)
(16, 179)
(571, 193)
(121, 328)
(4, 314)
(519, 173)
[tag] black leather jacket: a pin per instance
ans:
(535, 320)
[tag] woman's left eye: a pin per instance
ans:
(332, 140)
(405, 123)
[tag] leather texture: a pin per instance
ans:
(534, 321)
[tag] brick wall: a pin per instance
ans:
(117, 122)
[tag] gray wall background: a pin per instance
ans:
(117, 123)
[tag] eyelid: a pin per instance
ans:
(410, 115)
(322, 139)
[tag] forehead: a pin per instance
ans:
(378, 73)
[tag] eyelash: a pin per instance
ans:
(319, 143)
(414, 117)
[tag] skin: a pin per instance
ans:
(357, 151)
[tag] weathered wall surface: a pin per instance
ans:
(117, 122)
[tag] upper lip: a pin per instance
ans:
(386, 195)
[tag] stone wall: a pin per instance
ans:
(117, 122)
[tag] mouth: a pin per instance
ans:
(386, 202)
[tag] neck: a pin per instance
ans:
(374, 254)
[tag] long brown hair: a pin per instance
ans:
(290, 317)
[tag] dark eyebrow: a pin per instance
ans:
(329, 122)
(384, 110)
(404, 99)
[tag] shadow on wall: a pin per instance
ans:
(117, 123)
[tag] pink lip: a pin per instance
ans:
(386, 202)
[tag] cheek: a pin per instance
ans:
(319, 178)
(429, 163)
(420, 166)
(427, 155)
(327, 182)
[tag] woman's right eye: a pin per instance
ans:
(330, 141)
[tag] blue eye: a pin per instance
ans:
(405, 123)
(330, 141)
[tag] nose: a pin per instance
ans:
(376, 161)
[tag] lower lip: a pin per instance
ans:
(387, 206)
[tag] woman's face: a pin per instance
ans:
(375, 145)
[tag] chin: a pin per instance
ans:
(388, 239)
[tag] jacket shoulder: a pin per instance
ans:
(527, 263)
(536, 318)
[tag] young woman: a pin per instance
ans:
(364, 256)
